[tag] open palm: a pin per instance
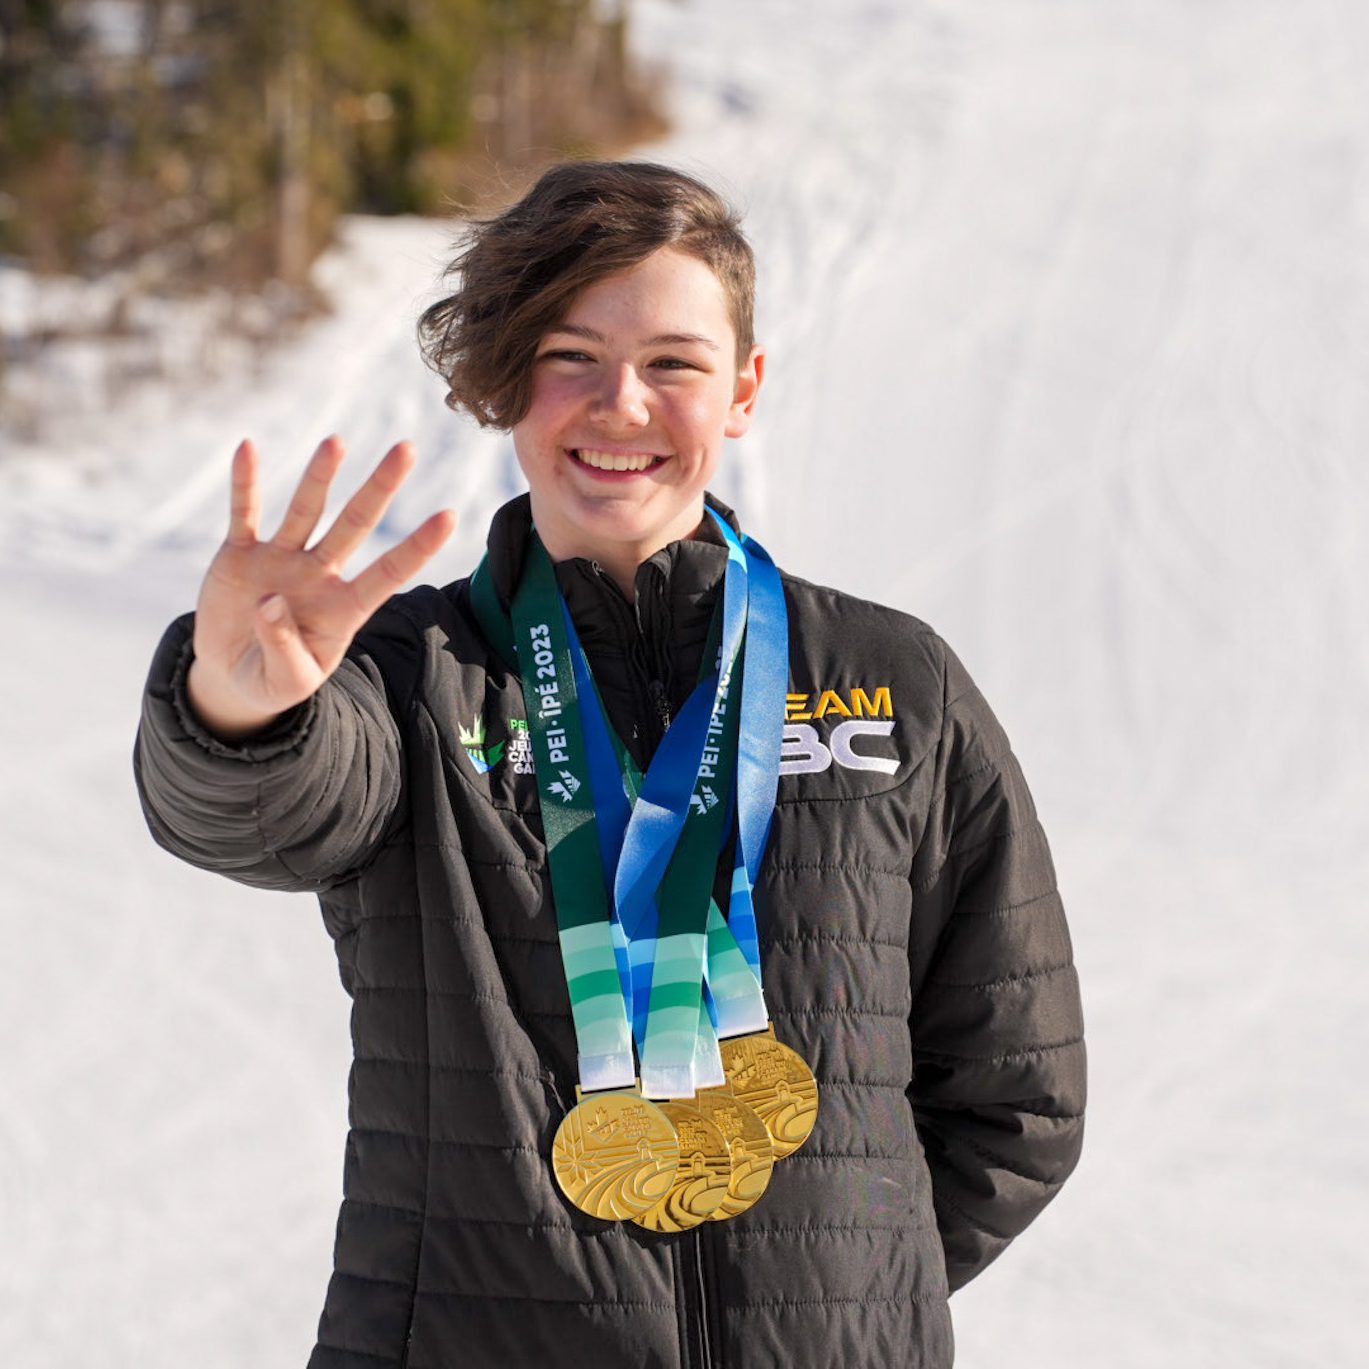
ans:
(275, 618)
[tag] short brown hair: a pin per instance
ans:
(520, 271)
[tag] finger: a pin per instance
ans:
(388, 573)
(306, 504)
(244, 504)
(288, 665)
(367, 506)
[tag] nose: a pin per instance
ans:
(621, 397)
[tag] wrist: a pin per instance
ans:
(226, 719)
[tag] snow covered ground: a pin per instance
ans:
(1068, 309)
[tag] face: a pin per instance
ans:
(633, 394)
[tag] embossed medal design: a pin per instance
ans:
(753, 1153)
(776, 1083)
(615, 1155)
(702, 1179)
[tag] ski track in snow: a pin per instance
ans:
(1066, 310)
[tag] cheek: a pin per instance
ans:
(534, 440)
(702, 415)
(554, 400)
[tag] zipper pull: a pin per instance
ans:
(661, 703)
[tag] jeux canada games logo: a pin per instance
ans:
(485, 757)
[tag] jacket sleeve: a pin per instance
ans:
(300, 806)
(998, 1084)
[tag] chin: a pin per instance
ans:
(628, 517)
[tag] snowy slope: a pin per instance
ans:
(1067, 308)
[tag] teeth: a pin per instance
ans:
(614, 461)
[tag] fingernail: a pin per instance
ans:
(273, 609)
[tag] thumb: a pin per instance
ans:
(289, 666)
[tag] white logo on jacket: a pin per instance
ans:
(803, 752)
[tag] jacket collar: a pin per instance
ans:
(705, 552)
(646, 655)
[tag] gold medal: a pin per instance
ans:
(776, 1083)
(753, 1153)
(702, 1179)
(615, 1155)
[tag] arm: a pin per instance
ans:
(298, 805)
(999, 1069)
(268, 748)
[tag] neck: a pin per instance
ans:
(618, 560)
(620, 568)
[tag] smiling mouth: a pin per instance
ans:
(615, 461)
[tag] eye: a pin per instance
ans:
(564, 354)
(675, 364)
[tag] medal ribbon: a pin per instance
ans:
(671, 847)
(656, 836)
(684, 761)
(764, 686)
(689, 874)
(736, 1004)
(602, 1032)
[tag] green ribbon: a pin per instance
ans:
(603, 1033)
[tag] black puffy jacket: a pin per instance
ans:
(915, 953)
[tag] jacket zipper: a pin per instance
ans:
(696, 1351)
(708, 1276)
(645, 666)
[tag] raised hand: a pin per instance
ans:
(275, 618)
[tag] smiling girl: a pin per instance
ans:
(712, 996)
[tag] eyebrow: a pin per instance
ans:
(660, 340)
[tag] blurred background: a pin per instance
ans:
(1067, 308)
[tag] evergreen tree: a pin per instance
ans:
(218, 140)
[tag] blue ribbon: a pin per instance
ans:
(765, 683)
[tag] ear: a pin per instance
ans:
(744, 395)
